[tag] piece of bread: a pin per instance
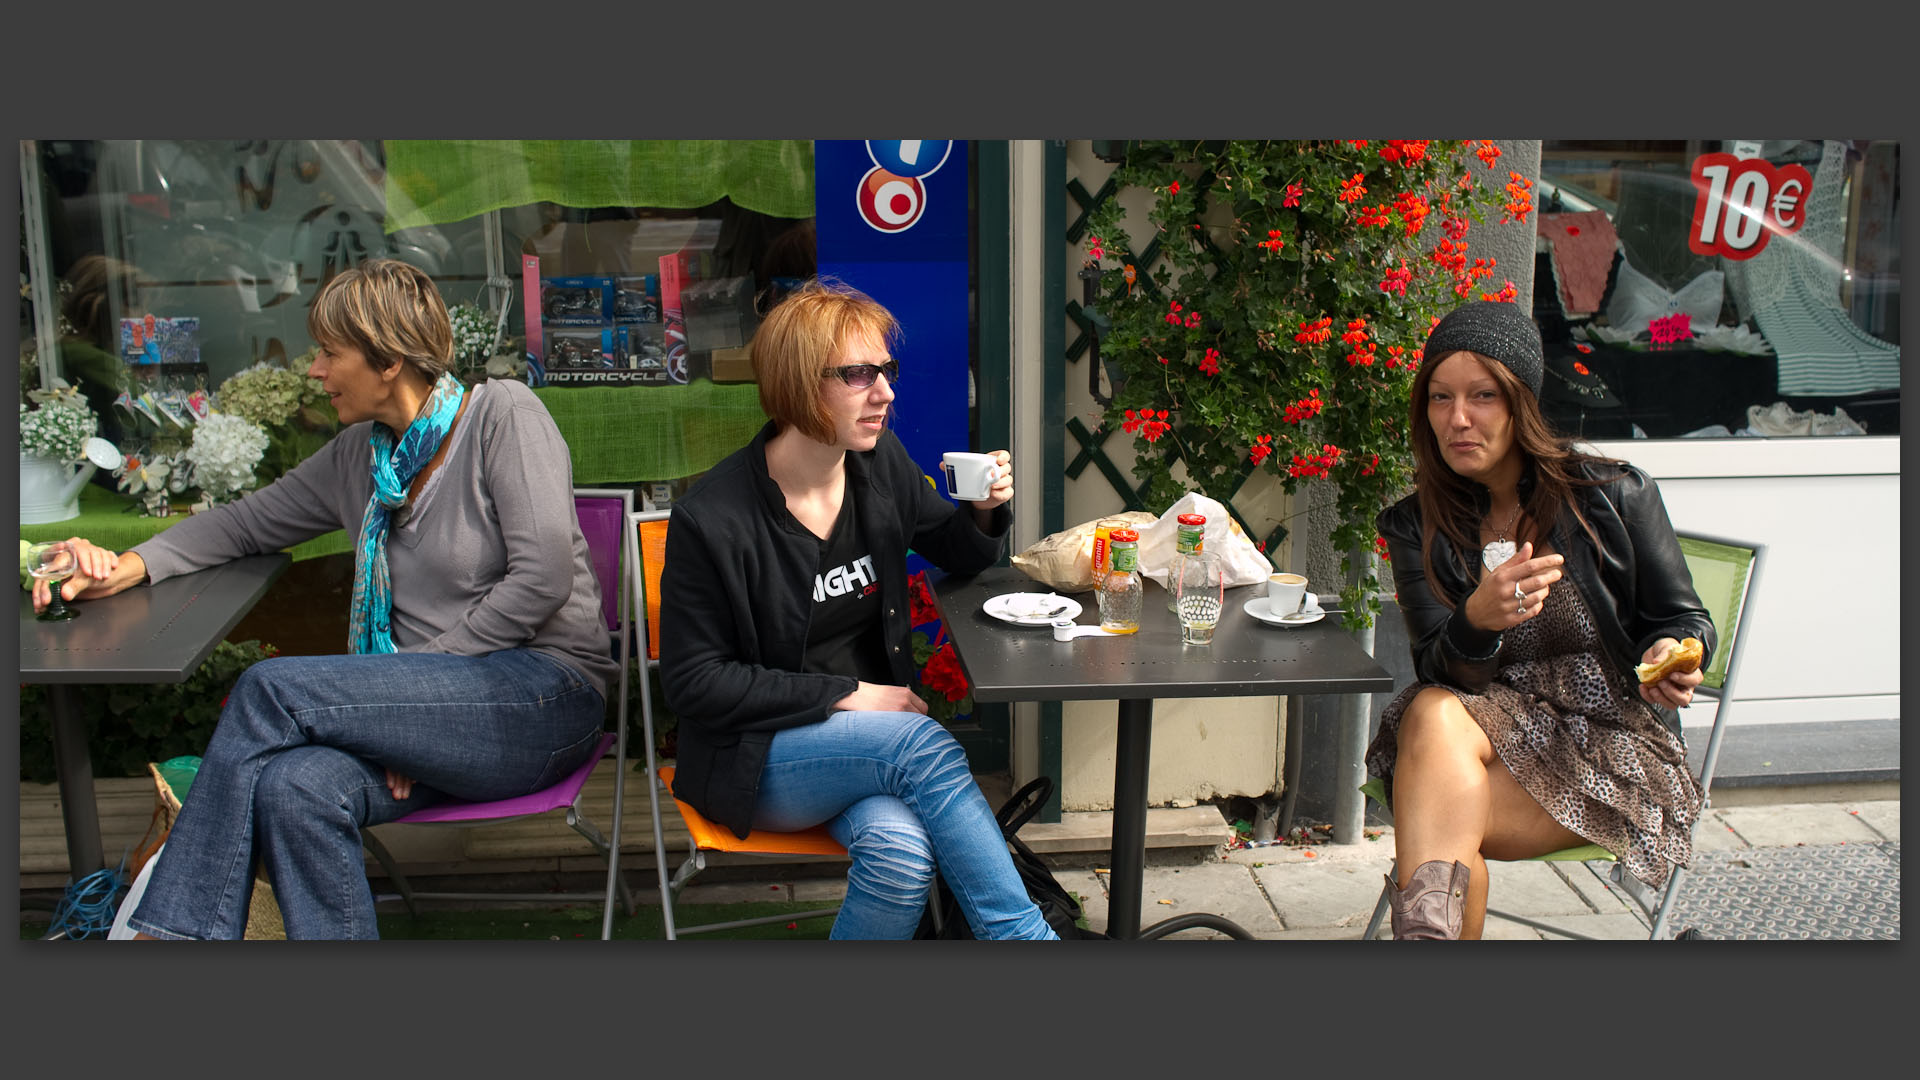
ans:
(1679, 660)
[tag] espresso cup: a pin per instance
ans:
(1284, 592)
(969, 476)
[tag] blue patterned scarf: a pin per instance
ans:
(394, 467)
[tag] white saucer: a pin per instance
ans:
(1257, 607)
(1031, 608)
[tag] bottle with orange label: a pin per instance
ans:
(1119, 587)
(1102, 534)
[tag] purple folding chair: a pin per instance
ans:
(603, 514)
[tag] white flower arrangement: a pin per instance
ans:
(58, 428)
(473, 331)
(226, 448)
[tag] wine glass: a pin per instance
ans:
(53, 562)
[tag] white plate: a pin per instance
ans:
(1257, 607)
(1031, 608)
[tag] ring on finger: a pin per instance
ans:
(1518, 592)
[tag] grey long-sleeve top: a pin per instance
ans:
(490, 556)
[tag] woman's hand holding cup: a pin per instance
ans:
(1515, 592)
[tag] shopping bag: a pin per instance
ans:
(1241, 563)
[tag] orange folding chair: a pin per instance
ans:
(647, 541)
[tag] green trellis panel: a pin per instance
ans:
(1092, 443)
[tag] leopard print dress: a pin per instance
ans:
(1575, 733)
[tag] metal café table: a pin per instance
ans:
(1247, 658)
(147, 634)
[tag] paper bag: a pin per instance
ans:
(1240, 562)
(1064, 561)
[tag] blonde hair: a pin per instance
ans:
(388, 310)
(796, 344)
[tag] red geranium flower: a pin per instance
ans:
(920, 606)
(1315, 331)
(1210, 363)
(1306, 407)
(1352, 190)
(1294, 191)
(1396, 281)
(1262, 449)
(943, 674)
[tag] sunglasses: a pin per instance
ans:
(861, 376)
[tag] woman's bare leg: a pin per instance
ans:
(1454, 801)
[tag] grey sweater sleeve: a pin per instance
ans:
(305, 503)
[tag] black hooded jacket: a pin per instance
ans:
(736, 599)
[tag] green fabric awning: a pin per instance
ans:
(636, 434)
(436, 181)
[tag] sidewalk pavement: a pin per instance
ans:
(1828, 870)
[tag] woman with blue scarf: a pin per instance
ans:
(478, 660)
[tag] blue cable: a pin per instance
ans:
(88, 907)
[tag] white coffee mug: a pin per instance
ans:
(969, 476)
(1284, 592)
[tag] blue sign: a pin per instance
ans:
(912, 158)
(904, 240)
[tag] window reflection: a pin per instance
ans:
(1698, 289)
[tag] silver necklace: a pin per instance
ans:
(1500, 549)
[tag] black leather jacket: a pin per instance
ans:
(1636, 585)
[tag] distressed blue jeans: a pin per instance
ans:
(894, 789)
(298, 764)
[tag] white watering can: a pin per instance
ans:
(50, 488)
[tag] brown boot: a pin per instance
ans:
(1432, 905)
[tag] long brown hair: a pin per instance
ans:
(1448, 502)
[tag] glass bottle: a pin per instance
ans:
(1188, 537)
(1120, 586)
(1198, 585)
(1102, 534)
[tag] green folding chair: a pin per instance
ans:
(1724, 573)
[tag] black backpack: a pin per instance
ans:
(1055, 902)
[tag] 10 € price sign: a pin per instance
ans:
(1739, 203)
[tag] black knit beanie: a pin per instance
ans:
(1492, 328)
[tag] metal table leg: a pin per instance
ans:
(1133, 746)
(1132, 750)
(74, 767)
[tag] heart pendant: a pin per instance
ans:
(1497, 552)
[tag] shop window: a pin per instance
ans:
(178, 264)
(1720, 288)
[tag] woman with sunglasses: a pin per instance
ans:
(784, 635)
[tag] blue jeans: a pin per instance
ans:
(895, 791)
(298, 764)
